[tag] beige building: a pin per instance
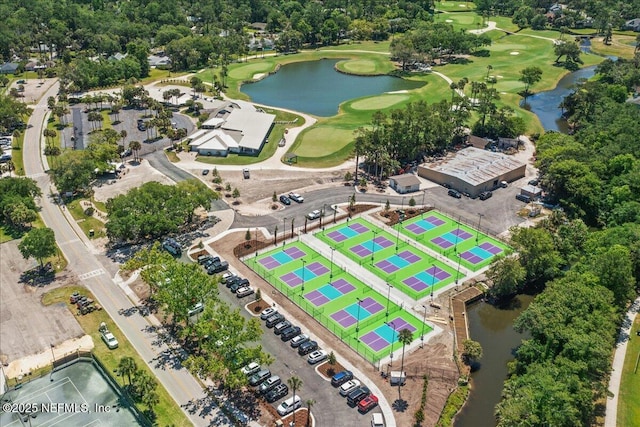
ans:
(405, 183)
(473, 171)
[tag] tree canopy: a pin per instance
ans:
(38, 243)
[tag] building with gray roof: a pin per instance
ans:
(473, 170)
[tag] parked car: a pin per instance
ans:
(250, 369)
(274, 319)
(299, 340)
(296, 197)
(226, 276)
(267, 312)
(357, 395)
(269, 384)
(242, 283)
(197, 308)
(74, 297)
(341, 378)
(314, 215)
(205, 172)
(244, 291)
(108, 338)
(281, 327)
(377, 420)
(218, 267)
(317, 357)
(285, 200)
(534, 182)
(290, 332)
(485, 195)
(232, 280)
(203, 259)
(210, 261)
(307, 347)
(368, 403)
(259, 377)
(171, 246)
(348, 387)
(278, 392)
(289, 405)
(523, 198)
(454, 193)
(245, 173)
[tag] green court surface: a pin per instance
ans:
(75, 395)
(390, 256)
(458, 242)
(366, 320)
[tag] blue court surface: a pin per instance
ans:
(355, 311)
(330, 291)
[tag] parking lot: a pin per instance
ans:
(26, 326)
(330, 408)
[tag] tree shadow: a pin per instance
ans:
(400, 405)
(38, 276)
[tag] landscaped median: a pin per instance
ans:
(167, 411)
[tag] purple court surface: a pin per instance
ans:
(368, 306)
(491, 248)
(374, 341)
(329, 292)
(443, 243)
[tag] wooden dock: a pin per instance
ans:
(459, 308)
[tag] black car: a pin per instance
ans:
(280, 327)
(285, 200)
(278, 392)
(454, 193)
(205, 172)
(357, 395)
(218, 267)
(523, 198)
(307, 347)
(290, 332)
(232, 281)
(534, 182)
(239, 284)
(485, 195)
(341, 378)
(274, 319)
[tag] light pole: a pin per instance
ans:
(303, 266)
(335, 211)
(358, 319)
(392, 341)
(373, 245)
(284, 230)
(433, 280)
(479, 222)
(331, 273)
(424, 192)
(399, 224)
(388, 295)
(455, 247)
(424, 318)
(458, 271)
(53, 362)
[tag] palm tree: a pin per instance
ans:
(296, 384)
(128, 367)
(405, 336)
(310, 403)
(135, 146)
(123, 135)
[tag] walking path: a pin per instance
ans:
(611, 414)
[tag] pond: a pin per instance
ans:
(492, 327)
(315, 87)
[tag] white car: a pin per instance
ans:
(296, 197)
(251, 368)
(317, 356)
(289, 405)
(314, 214)
(109, 339)
(267, 312)
(226, 276)
(244, 291)
(348, 387)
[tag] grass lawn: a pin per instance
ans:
(167, 410)
(621, 46)
(629, 397)
(86, 222)
(269, 148)
(16, 155)
(455, 6)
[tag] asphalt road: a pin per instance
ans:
(159, 161)
(176, 379)
(493, 215)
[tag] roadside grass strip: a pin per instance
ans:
(339, 301)
(392, 258)
(458, 242)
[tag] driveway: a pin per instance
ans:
(26, 326)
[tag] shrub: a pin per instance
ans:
(89, 211)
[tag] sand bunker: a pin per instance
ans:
(514, 53)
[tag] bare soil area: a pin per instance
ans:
(133, 176)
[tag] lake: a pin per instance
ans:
(316, 88)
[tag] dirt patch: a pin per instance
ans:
(257, 306)
(328, 370)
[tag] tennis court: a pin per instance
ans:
(346, 232)
(393, 259)
(458, 242)
(338, 300)
(282, 257)
(387, 334)
(76, 395)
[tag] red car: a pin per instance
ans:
(368, 403)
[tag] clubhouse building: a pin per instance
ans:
(472, 170)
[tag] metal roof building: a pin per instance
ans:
(472, 170)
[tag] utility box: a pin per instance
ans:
(397, 378)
